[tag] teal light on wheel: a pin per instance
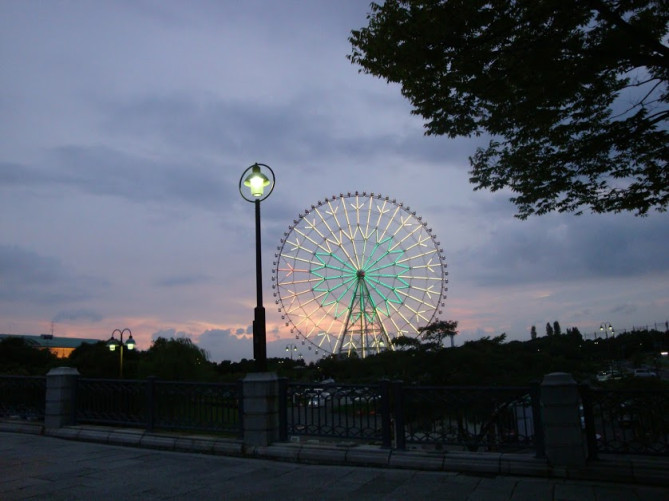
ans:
(356, 271)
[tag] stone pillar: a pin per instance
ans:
(61, 384)
(260, 418)
(564, 437)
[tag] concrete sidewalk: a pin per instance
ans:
(49, 468)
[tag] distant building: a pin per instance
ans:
(59, 346)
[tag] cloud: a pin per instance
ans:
(169, 334)
(80, 315)
(560, 248)
(183, 280)
(222, 344)
(26, 276)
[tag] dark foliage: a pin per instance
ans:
(572, 92)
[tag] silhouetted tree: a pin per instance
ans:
(557, 331)
(549, 329)
(19, 357)
(433, 334)
(406, 343)
(533, 332)
(177, 359)
(95, 360)
(573, 93)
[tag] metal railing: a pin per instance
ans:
(626, 421)
(339, 412)
(392, 414)
(23, 397)
(470, 418)
(389, 414)
(164, 405)
(211, 407)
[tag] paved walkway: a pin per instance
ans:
(48, 468)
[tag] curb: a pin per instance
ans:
(643, 470)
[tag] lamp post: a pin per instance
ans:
(606, 327)
(113, 343)
(291, 348)
(259, 181)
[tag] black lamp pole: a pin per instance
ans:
(256, 180)
(259, 324)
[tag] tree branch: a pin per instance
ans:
(616, 20)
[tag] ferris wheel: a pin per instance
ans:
(355, 271)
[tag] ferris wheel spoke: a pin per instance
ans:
(312, 225)
(307, 238)
(390, 221)
(295, 282)
(422, 255)
(400, 313)
(393, 295)
(370, 204)
(372, 253)
(333, 212)
(376, 271)
(415, 299)
(408, 234)
(324, 264)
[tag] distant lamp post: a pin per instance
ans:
(258, 180)
(113, 343)
(292, 349)
(607, 328)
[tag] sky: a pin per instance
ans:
(125, 126)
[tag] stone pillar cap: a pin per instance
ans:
(63, 371)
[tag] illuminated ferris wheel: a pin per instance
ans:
(357, 270)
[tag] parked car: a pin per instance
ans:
(644, 373)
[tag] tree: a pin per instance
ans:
(95, 360)
(177, 359)
(557, 330)
(572, 92)
(19, 357)
(533, 332)
(549, 329)
(433, 335)
(405, 343)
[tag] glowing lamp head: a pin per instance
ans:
(130, 343)
(112, 343)
(256, 181)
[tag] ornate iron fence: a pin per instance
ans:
(390, 414)
(112, 402)
(213, 407)
(469, 418)
(23, 397)
(336, 411)
(165, 405)
(626, 421)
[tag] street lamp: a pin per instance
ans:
(113, 343)
(291, 348)
(606, 328)
(259, 181)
